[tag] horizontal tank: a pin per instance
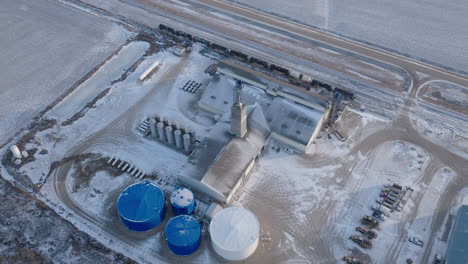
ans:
(234, 233)
(182, 201)
(16, 152)
(183, 235)
(141, 206)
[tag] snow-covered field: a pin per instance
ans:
(307, 204)
(431, 30)
(46, 48)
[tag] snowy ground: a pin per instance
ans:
(287, 191)
(308, 204)
(445, 94)
(430, 30)
(44, 54)
(27, 236)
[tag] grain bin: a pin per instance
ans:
(183, 235)
(234, 233)
(141, 206)
(182, 201)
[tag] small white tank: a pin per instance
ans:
(24, 153)
(16, 152)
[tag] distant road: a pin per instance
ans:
(284, 24)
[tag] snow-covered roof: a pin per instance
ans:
(217, 96)
(219, 162)
(274, 85)
(293, 121)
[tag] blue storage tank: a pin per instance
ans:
(183, 235)
(182, 201)
(141, 206)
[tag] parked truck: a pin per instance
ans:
(370, 221)
(367, 232)
(361, 241)
(380, 208)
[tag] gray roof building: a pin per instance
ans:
(457, 251)
(221, 162)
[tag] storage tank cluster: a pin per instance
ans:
(171, 134)
(17, 154)
(142, 207)
(234, 231)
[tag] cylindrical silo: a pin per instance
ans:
(183, 235)
(161, 133)
(234, 233)
(178, 138)
(153, 128)
(186, 140)
(141, 206)
(182, 201)
(16, 152)
(169, 135)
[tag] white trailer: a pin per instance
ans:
(150, 70)
(383, 209)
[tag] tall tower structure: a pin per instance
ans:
(238, 112)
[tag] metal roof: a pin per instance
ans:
(221, 159)
(457, 251)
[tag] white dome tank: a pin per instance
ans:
(234, 233)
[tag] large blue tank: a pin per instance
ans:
(141, 206)
(182, 201)
(183, 235)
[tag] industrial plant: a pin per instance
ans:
(213, 132)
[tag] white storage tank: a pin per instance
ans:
(183, 201)
(234, 233)
(16, 152)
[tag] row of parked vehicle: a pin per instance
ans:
(390, 199)
(294, 77)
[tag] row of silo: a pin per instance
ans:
(234, 231)
(171, 134)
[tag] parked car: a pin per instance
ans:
(437, 259)
(416, 241)
(378, 215)
(352, 260)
